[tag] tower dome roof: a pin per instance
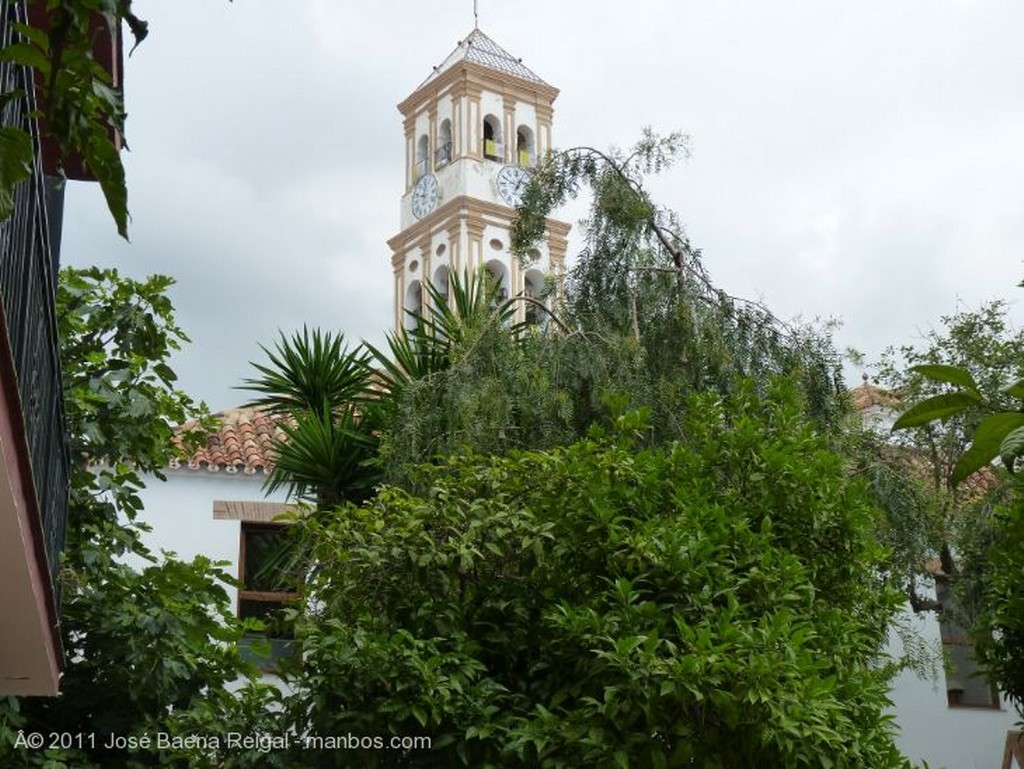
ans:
(478, 48)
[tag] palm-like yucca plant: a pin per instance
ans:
(323, 391)
(310, 371)
(429, 345)
(326, 457)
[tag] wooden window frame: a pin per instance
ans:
(268, 664)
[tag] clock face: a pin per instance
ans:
(424, 196)
(512, 181)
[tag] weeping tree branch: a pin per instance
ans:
(559, 177)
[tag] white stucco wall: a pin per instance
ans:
(180, 512)
(930, 730)
(879, 418)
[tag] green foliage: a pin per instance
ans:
(713, 601)
(994, 565)
(450, 327)
(639, 317)
(144, 649)
(910, 526)
(464, 376)
(970, 427)
(937, 407)
(978, 353)
(324, 391)
(998, 434)
(599, 549)
(310, 372)
(325, 458)
(15, 165)
(121, 404)
(83, 112)
(639, 278)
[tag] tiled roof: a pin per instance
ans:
(971, 489)
(979, 483)
(866, 395)
(480, 49)
(242, 444)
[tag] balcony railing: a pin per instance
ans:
(525, 158)
(27, 286)
(421, 168)
(494, 150)
(443, 155)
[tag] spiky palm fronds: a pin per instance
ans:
(310, 371)
(326, 458)
(324, 390)
(451, 322)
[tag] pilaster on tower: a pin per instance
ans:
(473, 130)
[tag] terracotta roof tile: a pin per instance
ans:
(866, 395)
(243, 443)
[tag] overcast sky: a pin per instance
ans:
(862, 161)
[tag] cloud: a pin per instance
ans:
(856, 160)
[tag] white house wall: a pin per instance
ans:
(929, 729)
(180, 512)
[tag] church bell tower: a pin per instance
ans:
(473, 130)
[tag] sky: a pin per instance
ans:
(856, 161)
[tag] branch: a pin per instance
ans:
(540, 305)
(685, 259)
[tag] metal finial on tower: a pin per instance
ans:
(476, 18)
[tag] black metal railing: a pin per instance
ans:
(27, 287)
(443, 155)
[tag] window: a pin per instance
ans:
(441, 280)
(534, 287)
(266, 571)
(422, 167)
(966, 684)
(524, 146)
(494, 149)
(413, 305)
(498, 279)
(443, 156)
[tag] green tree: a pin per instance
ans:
(714, 602)
(978, 351)
(464, 376)
(548, 583)
(994, 565)
(81, 110)
(966, 429)
(640, 279)
(145, 648)
(639, 318)
(324, 391)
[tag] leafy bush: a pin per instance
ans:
(714, 602)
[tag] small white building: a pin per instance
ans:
(214, 503)
(946, 720)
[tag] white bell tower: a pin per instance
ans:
(473, 129)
